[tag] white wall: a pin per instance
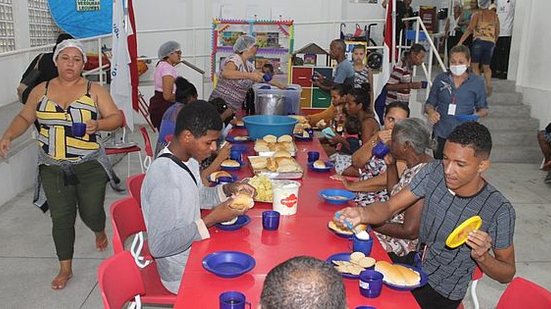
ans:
(530, 63)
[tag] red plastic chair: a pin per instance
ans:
(148, 149)
(477, 275)
(119, 281)
(522, 293)
(134, 187)
(125, 150)
(127, 220)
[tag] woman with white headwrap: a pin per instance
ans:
(72, 166)
(484, 26)
(237, 74)
(164, 76)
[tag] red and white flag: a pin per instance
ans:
(124, 76)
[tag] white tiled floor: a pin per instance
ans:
(28, 261)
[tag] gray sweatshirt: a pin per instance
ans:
(171, 204)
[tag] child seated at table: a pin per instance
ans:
(346, 145)
(334, 112)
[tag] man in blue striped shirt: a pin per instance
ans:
(454, 190)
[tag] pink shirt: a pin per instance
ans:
(163, 69)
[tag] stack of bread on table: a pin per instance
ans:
(281, 160)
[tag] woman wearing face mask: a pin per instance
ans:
(455, 96)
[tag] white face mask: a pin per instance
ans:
(458, 70)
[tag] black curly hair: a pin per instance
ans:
(475, 135)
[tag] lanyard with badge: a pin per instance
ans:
(453, 105)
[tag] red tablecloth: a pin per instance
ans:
(305, 233)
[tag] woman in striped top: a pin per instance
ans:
(73, 167)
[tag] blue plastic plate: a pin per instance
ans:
(337, 196)
(299, 137)
(423, 281)
(242, 220)
(228, 264)
(229, 168)
(473, 117)
(232, 139)
(328, 167)
(342, 257)
(225, 179)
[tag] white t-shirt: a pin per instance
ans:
(506, 14)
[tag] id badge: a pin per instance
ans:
(451, 109)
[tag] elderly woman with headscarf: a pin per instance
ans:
(237, 74)
(73, 167)
(484, 26)
(164, 76)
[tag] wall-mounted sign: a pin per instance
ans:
(88, 5)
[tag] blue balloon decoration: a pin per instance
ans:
(82, 24)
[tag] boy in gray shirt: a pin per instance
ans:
(454, 190)
(173, 194)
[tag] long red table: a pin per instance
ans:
(305, 233)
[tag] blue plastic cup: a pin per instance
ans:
(236, 155)
(380, 150)
(313, 156)
(270, 220)
(267, 77)
(371, 283)
(78, 129)
(233, 300)
(362, 245)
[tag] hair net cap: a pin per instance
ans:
(243, 43)
(484, 4)
(168, 48)
(69, 43)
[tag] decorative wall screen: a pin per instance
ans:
(7, 35)
(42, 28)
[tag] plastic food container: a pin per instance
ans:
(259, 126)
(285, 199)
(291, 96)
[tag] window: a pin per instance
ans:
(7, 35)
(42, 28)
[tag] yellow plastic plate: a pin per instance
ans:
(459, 236)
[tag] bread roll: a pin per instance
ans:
(261, 148)
(230, 163)
(286, 168)
(242, 201)
(260, 142)
(319, 164)
(282, 154)
(216, 175)
(270, 138)
(271, 164)
(284, 138)
(397, 274)
(258, 163)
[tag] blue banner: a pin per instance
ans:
(84, 23)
